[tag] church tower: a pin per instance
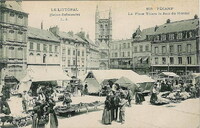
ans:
(103, 26)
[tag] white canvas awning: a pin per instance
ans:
(45, 73)
(101, 75)
(168, 74)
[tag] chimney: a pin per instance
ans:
(156, 27)
(195, 16)
(54, 30)
(168, 21)
(42, 25)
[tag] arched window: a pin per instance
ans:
(31, 54)
(44, 58)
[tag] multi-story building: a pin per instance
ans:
(175, 46)
(103, 36)
(141, 47)
(43, 48)
(13, 40)
(93, 55)
(121, 54)
(73, 52)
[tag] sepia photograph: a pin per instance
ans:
(99, 64)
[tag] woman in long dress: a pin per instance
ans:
(53, 121)
(154, 97)
(106, 118)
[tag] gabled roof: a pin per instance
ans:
(41, 34)
(177, 26)
(14, 6)
(145, 32)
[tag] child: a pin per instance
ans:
(122, 104)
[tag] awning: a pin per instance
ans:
(45, 73)
(139, 58)
(172, 74)
(145, 58)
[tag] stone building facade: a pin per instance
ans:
(175, 46)
(73, 52)
(141, 47)
(13, 40)
(121, 54)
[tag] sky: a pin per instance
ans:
(126, 15)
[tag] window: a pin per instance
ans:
(68, 62)
(188, 48)
(31, 45)
(157, 38)
(163, 37)
(128, 45)
(78, 53)
(116, 54)
(163, 49)
(189, 60)
(69, 51)
(171, 36)
(124, 45)
(179, 48)
(20, 33)
(50, 48)
(123, 54)
(128, 53)
(171, 48)
(20, 16)
(44, 47)
(156, 60)
(38, 47)
(83, 53)
(11, 31)
(135, 48)
(74, 62)
(147, 47)
(163, 60)
(179, 60)
(74, 52)
(180, 35)
(171, 60)
(141, 48)
(156, 50)
(56, 48)
(44, 58)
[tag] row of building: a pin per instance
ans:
(22, 46)
(172, 47)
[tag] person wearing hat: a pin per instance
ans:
(25, 101)
(154, 97)
(106, 118)
(130, 96)
(122, 104)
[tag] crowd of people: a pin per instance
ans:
(115, 103)
(174, 91)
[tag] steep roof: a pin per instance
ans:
(145, 32)
(177, 26)
(41, 34)
(14, 6)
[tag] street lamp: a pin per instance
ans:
(76, 66)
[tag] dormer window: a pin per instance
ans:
(163, 37)
(171, 36)
(20, 16)
(179, 35)
(12, 14)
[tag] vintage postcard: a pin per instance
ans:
(99, 64)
